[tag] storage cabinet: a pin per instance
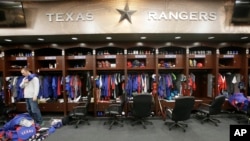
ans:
(78, 68)
(232, 61)
(48, 63)
(44, 107)
(201, 58)
(15, 59)
(108, 58)
(171, 61)
(77, 59)
(124, 62)
(171, 58)
(232, 64)
(1, 63)
(110, 62)
(231, 57)
(201, 61)
(247, 74)
(141, 61)
(109, 76)
(141, 58)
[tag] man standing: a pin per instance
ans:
(30, 84)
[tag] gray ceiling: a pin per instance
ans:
(162, 37)
(150, 37)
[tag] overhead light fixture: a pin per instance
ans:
(54, 45)
(177, 37)
(110, 44)
(196, 43)
(168, 44)
(40, 39)
(74, 38)
(7, 40)
(143, 37)
(244, 37)
(82, 44)
(26, 45)
(224, 44)
(211, 37)
(139, 44)
(108, 38)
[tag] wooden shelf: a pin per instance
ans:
(78, 60)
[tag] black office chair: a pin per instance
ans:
(79, 113)
(245, 115)
(6, 112)
(181, 112)
(206, 111)
(114, 111)
(141, 109)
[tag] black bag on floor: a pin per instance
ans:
(66, 120)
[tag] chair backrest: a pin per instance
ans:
(123, 100)
(89, 95)
(216, 105)
(183, 108)
(142, 105)
(248, 109)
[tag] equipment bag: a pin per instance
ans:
(20, 128)
(21, 133)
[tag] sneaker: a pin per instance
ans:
(42, 124)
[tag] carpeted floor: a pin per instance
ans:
(156, 132)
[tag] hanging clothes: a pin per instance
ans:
(222, 85)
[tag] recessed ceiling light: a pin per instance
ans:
(177, 37)
(139, 44)
(210, 38)
(7, 40)
(197, 44)
(244, 37)
(108, 38)
(111, 44)
(74, 38)
(168, 44)
(54, 45)
(143, 37)
(26, 45)
(40, 39)
(82, 44)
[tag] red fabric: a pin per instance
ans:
(59, 86)
(139, 83)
